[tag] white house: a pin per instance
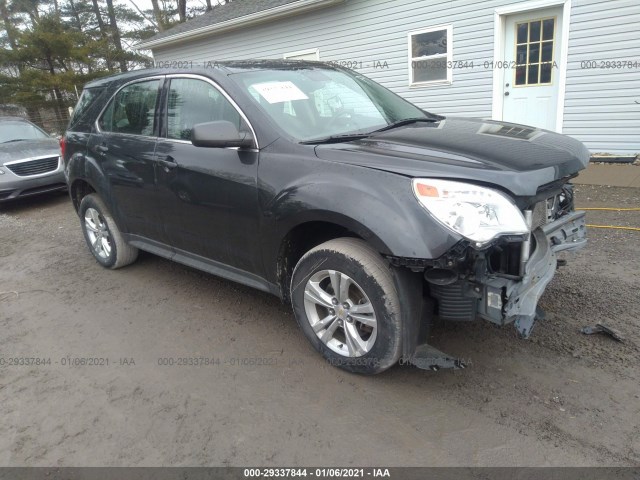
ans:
(572, 66)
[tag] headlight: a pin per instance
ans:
(477, 213)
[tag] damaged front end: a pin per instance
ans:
(503, 282)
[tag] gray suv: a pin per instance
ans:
(314, 183)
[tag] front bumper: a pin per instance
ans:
(500, 298)
(13, 186)
(507, 301)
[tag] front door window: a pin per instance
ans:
(193, 101)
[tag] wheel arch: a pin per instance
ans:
(85, 176)
(79, 189)
(311, 231)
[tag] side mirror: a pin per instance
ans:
(220, 134)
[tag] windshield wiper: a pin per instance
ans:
(359, 136)
(336, 139)
(406, 121)
(15, 140)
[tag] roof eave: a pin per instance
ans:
(259, 17)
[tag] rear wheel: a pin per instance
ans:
(346, 303)
(102, 234)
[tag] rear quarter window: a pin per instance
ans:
(87, 103)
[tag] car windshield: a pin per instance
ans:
(14, 131)
(312, 102)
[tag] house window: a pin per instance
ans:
(534, 52)
(430, 55)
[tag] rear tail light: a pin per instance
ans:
(63, 145)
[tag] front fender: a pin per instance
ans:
(378, 206)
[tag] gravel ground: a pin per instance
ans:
(560, 398)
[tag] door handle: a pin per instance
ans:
(101, 149)
(168, 163)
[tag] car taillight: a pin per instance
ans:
(63, 145)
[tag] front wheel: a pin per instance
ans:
(345, 301)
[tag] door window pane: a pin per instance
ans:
(547, 51)
(521, 75)
(523, 32)
(193, 101)
(545, 73)
(132, 110)
(521, 55)
(534, 31)
(534, 53)
(532, 77)
(548, 27)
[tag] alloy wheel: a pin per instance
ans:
(340, 313)
(98, 233)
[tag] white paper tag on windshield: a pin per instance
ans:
(278, 92)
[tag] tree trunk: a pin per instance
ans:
(78, 22)
(34, 14)
(115, 34)
(103, 30)
(76, 17)
(209, 7)
(101, 26)
(8, 24)
(182, 10)
(158, 14)
(59, 103)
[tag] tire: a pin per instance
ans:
(368, 306)
(102, 235)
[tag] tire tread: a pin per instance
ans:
(375, 266)
(125, 254)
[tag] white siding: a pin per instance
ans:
(599, 106)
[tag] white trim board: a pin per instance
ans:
(311, 51)
(499, 26)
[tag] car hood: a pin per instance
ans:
(27, 149)
(516, 157)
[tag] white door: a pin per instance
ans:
(531, 54)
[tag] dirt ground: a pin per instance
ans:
(560, 398)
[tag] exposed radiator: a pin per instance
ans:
(452, 305)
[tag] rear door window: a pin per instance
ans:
(132, 110)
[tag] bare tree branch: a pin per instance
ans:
(143, 14)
